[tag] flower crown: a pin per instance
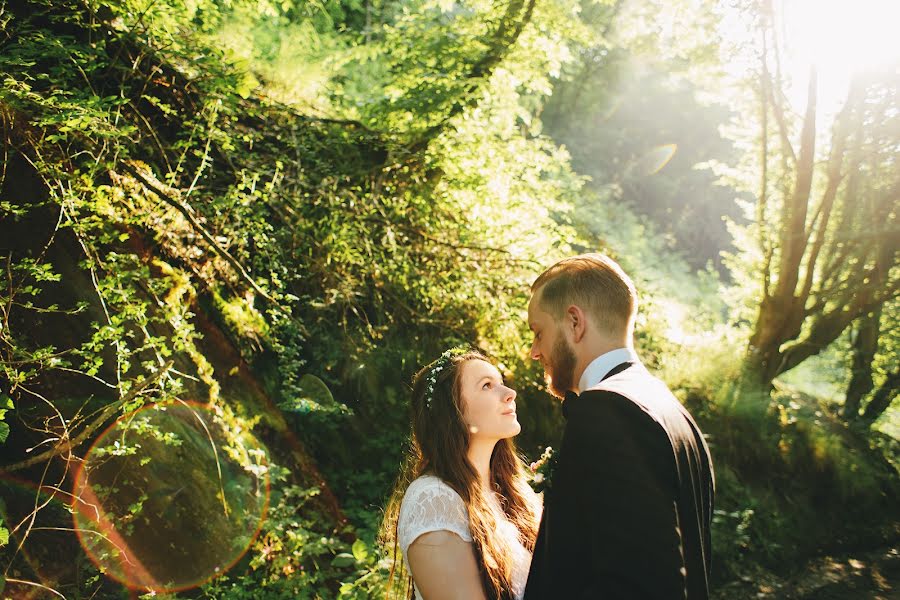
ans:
(439, 365)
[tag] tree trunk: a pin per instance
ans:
(780, 319)
(882, 399)
(865, 345)
(781, 311)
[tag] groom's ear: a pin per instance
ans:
(576, 320)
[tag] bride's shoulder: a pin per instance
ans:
(430, 504)
(429, 483)
(427, 488)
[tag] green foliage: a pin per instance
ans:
(314, 245)
(7, 404)
(731, 528)
(297, 556)
(790, 479)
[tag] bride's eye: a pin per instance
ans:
(486, 386)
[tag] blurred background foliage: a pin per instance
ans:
(282, 209)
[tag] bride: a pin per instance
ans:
(467, 520)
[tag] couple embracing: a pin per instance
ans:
(627, 513)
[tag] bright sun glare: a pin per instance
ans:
(839, 37)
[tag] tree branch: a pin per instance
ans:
(150, 183)
(65, 445)
(793, 225)
(822, 217)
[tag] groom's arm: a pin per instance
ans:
(626, 464)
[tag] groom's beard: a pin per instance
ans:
(560, 368)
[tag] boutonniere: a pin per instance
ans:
(542, 471)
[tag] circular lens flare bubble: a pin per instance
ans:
(169, 497)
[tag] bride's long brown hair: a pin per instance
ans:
(438, 446)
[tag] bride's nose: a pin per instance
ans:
(510, 395)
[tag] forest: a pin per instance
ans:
(232, 230)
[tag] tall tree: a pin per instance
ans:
(826, 217)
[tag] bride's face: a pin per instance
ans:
(488, 406)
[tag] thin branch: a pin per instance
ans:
(156, 188)
(778, 111)
(458, 248)
(96, 283)
(777, 107)
(68, 444)
(35, 584)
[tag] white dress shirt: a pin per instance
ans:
(603, 364)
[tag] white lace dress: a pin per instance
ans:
(431, 505)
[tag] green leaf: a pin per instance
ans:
(4, 539)
(4, 431)
(343, 559)
(360, 552)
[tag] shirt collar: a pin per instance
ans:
(603, 364)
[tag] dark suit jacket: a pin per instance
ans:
(629, 509)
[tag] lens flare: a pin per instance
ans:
(169, 497)
(657, 158)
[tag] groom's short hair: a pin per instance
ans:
(594, 282)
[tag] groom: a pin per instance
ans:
(628, 512)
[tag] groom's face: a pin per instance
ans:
(560, 368)
(551, 347)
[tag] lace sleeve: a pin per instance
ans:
(431, 505)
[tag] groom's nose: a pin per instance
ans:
(535, 353)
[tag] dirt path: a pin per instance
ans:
(873, 575)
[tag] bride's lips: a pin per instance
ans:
(509, 412)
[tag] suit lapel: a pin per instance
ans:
(618, 369)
